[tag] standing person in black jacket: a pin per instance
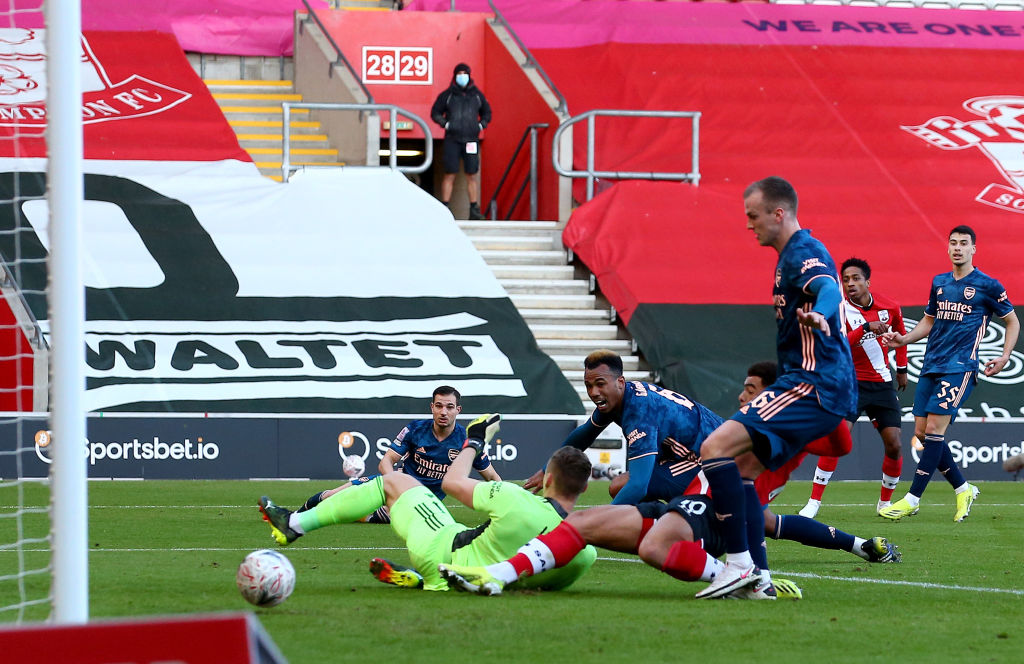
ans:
(463, 112)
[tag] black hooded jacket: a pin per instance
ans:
(464, 110)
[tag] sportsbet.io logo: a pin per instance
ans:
(990, 348)
(135, 450)
(966, 454)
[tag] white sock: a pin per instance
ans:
(822, 476)
(503, 571)
(961, 488)
(540, 556)
(712, 568)
(293, 523)
(739, 559)
(912, 499)
(857, 542)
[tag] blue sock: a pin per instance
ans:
(930, 458)
(755, 525)
(728, 498)
(948, 467)
(812, 533)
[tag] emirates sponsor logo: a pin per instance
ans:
(23, 85)
(999, 134)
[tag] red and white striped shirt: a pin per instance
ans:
(870, 356)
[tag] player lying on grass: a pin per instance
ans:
(679, 537)
(433, 537)
(668, 536)
(426, 447)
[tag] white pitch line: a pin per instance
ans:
(804, 575)
(253, 506)
(858, 579)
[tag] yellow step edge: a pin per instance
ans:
(277, 164)
(254, 83)
(294, 124)
(307, 151)
(278, 137)
(268, 96)
(267, 110)
(275, 178)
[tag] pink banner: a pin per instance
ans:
(229, 27)
(573, 23)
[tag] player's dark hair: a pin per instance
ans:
(775, 192)
(570, 468)
(606, 357)
(964, 230)
(858, 263)
(446, 390)
(767, 371)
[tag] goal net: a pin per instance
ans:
(43, 571)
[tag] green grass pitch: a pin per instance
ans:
(160, 548)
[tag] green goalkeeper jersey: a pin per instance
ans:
(515, 516)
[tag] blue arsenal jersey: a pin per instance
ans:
(803, 353)
(962, 310)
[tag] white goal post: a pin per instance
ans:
(69, 494)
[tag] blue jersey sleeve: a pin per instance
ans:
(827, 296)
(585, 434)
(639, 477)
(1001, 304)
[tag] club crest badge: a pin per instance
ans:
(23, 85)
(999, 134)
(969, 292)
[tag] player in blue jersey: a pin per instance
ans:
(427, 448)
(960, 305)
(663, 430)
(816, 388)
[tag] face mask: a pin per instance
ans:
(462, 80)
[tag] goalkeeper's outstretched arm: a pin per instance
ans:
(457, 483)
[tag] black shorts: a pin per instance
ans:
(879, 402)
(698, 512)
(453, 151)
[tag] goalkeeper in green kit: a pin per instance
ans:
(430, 533)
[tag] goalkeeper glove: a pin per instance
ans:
(482, 431)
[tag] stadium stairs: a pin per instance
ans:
(253, 109)
(557, 300)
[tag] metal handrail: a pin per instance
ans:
(393, 112)
(692, 176)
(563, 105)
(337, 50)
(531, 177)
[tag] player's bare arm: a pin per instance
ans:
(814, 320)
(534, 482)
(490, 474)
(388, 461)
(895, 339)
(457, 483)
(994, 366)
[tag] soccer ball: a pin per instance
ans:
(265, 578)
(354, 466)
